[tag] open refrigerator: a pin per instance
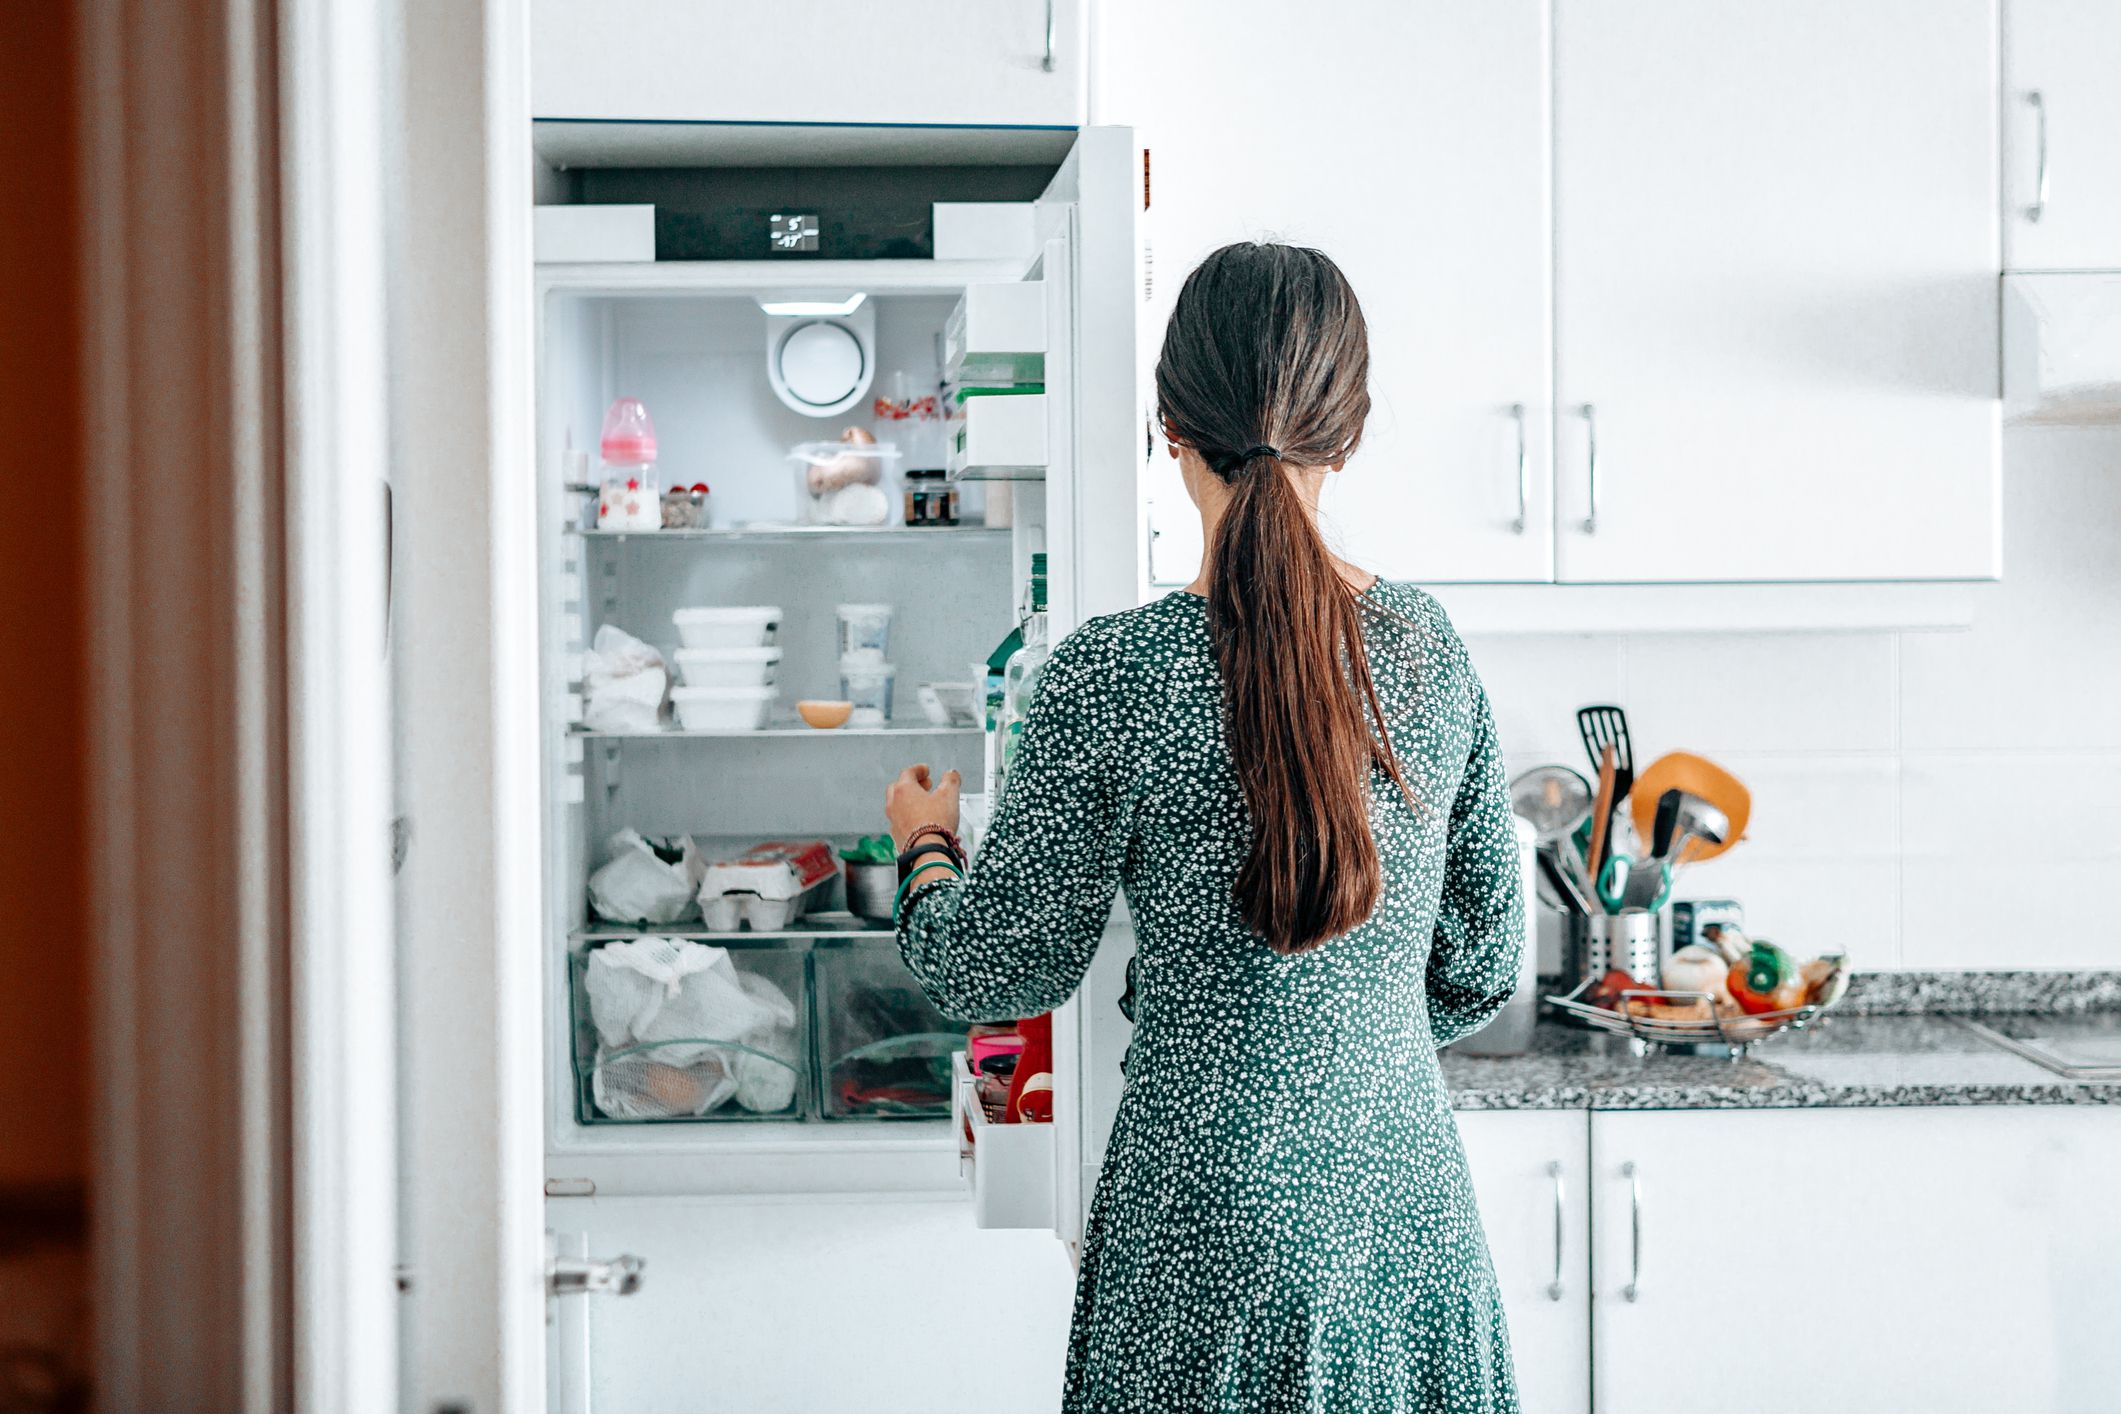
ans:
(851, 1109)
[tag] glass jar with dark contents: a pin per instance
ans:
(931, 498)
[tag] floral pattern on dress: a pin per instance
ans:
(1284, 1221)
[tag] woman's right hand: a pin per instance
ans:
(910, 803)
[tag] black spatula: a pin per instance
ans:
(1604, 726)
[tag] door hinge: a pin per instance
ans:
(1145, 179)
(581, 1276)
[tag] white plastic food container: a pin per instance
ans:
(729, 667)
(868, 686)
(746, 626)
(865, 633)
(722, 709)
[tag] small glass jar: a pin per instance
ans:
(931, 498)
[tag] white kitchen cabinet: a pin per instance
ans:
(956, 63)
(1420, 166)
(1946, 1259)
(2062, 115)
(1529, 1170)
(798, 1306)
(1776, 254)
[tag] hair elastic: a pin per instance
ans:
(1250, 452)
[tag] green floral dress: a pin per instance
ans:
(1285, 1220)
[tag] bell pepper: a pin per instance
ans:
(1767, 980)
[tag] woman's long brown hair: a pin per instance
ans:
(1265, 366)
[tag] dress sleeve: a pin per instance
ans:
(1475, 960)
(1015, 938)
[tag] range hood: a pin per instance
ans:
(2062, 348)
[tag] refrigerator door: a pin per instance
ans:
(1097, 545)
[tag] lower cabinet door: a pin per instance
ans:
(808, 1305)
(1528, 1171)
(1937, 1259)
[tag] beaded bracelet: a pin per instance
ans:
(948, 836)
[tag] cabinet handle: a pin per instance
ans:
(1047, 63)
(1590, 442)
(1633, 1290)
(2039, 207)
(1560, 1227)
(1524, 471)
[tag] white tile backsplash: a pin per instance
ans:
(1761, 692)
(1535, 686)
(2041, 668)
(1954, 913)
(1920, 800)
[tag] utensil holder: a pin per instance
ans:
(1595, 945)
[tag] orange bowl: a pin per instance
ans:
(825, 715)
(1696, 775)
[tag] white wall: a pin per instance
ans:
(1922, 800)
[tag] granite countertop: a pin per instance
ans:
(1856, 1058)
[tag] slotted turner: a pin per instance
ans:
(1607, 726)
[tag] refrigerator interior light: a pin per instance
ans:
(807, 306)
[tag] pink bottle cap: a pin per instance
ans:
(629, 437)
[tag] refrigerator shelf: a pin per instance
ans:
(798, 534)
(779, 729)
(809, 928)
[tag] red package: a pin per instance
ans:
(1031, 1088)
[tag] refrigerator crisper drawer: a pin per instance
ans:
(731, 1044)
(1009, 1167)
(883, 1050)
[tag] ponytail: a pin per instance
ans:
(1267, 342)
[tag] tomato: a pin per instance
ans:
(1609, 987)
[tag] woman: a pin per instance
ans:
(1291, 771)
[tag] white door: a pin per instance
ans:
(960, 63)
(1409, 143)
(1946, 1259)
(1776, 309)
(1529, 1168)
(2061, 110)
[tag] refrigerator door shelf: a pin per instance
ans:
(1009, 1167)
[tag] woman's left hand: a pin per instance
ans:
(910, 803)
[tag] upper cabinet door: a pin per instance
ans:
(1776, 262)
(1409, 142)
(980, 63)
(2062, 112)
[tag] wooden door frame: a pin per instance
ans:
(244, 1183)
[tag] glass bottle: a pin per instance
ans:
(1021, 674)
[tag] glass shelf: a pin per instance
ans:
(811, 927)
(778, 729)
(796, 534)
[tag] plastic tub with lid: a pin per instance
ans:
(722, 709)
(729, 667)
(868, 686)
(743, 626)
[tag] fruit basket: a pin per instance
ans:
(1669, 1019)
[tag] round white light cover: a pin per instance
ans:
(822, 364)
